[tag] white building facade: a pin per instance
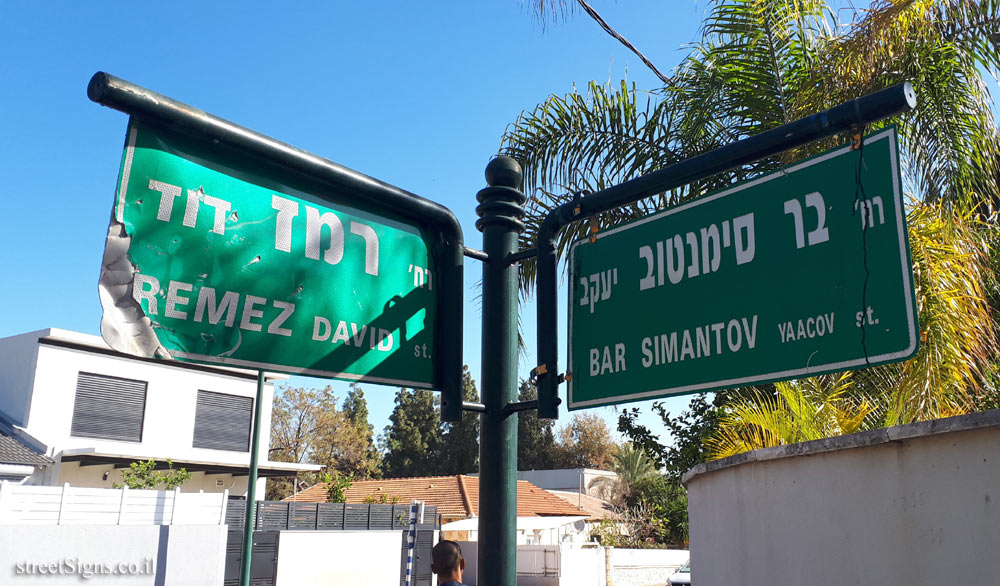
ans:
(94, 410)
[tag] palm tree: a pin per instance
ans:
(631, 464)
(762, 63)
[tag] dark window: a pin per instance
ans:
(222, 422)
(108, 407)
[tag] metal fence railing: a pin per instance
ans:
(285, 515)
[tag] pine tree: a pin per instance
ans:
(413, 437)
(355, 408)
(460, 445)
(536, 444)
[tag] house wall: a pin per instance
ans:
(189, 555)
(914, 504)
(566, 479)
(93, 476)
(41, 389)
(321, 558)
(17, 373)
(171, 395)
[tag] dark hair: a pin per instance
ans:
(446, 556)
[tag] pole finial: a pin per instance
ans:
(503, 171)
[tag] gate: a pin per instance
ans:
(272, 517)
(263, 560)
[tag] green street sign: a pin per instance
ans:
(214, 256)
(793, 274)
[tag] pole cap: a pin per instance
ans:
(504, 171)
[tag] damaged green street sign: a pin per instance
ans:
(213, 256)
(793, 274)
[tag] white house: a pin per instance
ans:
(93, 410)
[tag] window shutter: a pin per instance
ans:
(108, 407)
(222, 422)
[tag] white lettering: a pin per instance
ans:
(140, 292)
(167, 194)
(174, 299)
(206, 298)
(286, 310)
(250, 312)
(321, 329)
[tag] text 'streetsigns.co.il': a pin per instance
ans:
(215, 257)
(796, 273)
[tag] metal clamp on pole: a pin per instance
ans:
(519, 406)
(469, 406)
(521, 255)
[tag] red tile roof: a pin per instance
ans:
(456, 497)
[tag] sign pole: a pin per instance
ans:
(500, 211)
(250, 517)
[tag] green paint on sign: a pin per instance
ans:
(763, 282)
(215, 257)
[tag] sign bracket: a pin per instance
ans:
(863, 110)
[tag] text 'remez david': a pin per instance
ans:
(215, 257)
(796, 273)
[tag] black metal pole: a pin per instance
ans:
(864, 110)
(250, 520)
(501, 207)
(438, 221)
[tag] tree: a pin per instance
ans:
(585, 442)
(536, 444)
(142, 474)
(460, 443)
(355, 408)
(665, 501)
(413, 437)
(306, 426)
(336, 487)
(688, 432)
(761, 63)
(631, 465)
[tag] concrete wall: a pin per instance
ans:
(640, 567)
(321, 558)
(914, 504)
(159, 555)
(567, 565)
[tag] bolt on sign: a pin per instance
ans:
(215, 257)
(800, 272)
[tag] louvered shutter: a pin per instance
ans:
(222, 422)
(108, 407)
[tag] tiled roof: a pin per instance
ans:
(596, 508)
(454, 496)
(14, 452)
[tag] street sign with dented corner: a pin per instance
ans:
(215, 256)
(793, 274)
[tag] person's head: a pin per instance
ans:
(447, 561)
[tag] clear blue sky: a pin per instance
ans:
(414, 93)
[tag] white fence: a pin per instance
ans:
(593, 565)
(66, 505)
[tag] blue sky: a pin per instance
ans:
(415, 94)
